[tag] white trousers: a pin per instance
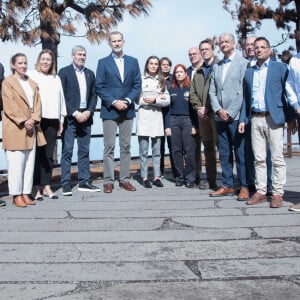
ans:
(263, 132)
(20, 165)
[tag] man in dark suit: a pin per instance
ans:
(264, 102)
(118, 84)
(196, 63)
(226, 96)
(79, 89)
(2, 203)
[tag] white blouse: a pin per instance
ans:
(28, 91)
(52, 95)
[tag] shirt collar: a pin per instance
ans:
(264, 65)
(77, 69)
(229, 59)
(116, 56)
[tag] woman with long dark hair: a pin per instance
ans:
(150, 123)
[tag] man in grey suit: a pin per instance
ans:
(118, 84)
(226, 94)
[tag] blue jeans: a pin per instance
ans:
(183, 147)
(231, 141)
(82, 131)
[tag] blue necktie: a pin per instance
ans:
(226, 60)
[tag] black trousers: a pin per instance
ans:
(44, 155)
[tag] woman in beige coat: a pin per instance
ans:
(20, 129)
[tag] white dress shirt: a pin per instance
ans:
(293, 82)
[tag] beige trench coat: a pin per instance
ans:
(16, 112)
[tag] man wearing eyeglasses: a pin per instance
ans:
(265, 104)
(201, 103)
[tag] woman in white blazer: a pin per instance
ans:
(150, 125)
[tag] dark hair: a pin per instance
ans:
(14, 59)
(167, 59)
(262, 38)
(161, 78)
(186, 82)
(52, 68)
(208, 41)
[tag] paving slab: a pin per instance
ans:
(151, 251)
(169, 243)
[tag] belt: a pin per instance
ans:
(82, 109)
(260, 113)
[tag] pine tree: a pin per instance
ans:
(250, 14)
(44, 21)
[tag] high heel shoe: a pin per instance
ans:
(27, 200)
(18, 201)
(51, 196)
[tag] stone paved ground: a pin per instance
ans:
(163, 243)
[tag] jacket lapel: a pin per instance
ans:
(114, 66)
(18, 88)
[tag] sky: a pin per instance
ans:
(172, 27)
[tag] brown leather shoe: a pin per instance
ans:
(256, 199)
(27, 200)
(222, 191)
(276, 201)
(18, 201)
(108, 187)
(127, 186)
(244, 194)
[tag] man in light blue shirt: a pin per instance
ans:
(265, 104)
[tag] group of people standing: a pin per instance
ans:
(232, 104)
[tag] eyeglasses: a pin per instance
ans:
(261, 47)
(193, 54)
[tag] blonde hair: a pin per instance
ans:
(52, 70)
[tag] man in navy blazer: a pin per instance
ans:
(78, 84)
(265, 103)
(118, 84)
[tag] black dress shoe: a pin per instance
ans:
(189, 184)
(179, 182)
(147, 184)
(87, 187)
(157, 182)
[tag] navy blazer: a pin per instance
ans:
(72, 91)
(109, 86)
(274, 92)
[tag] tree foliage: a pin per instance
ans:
(250, 14)
(45, 21)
